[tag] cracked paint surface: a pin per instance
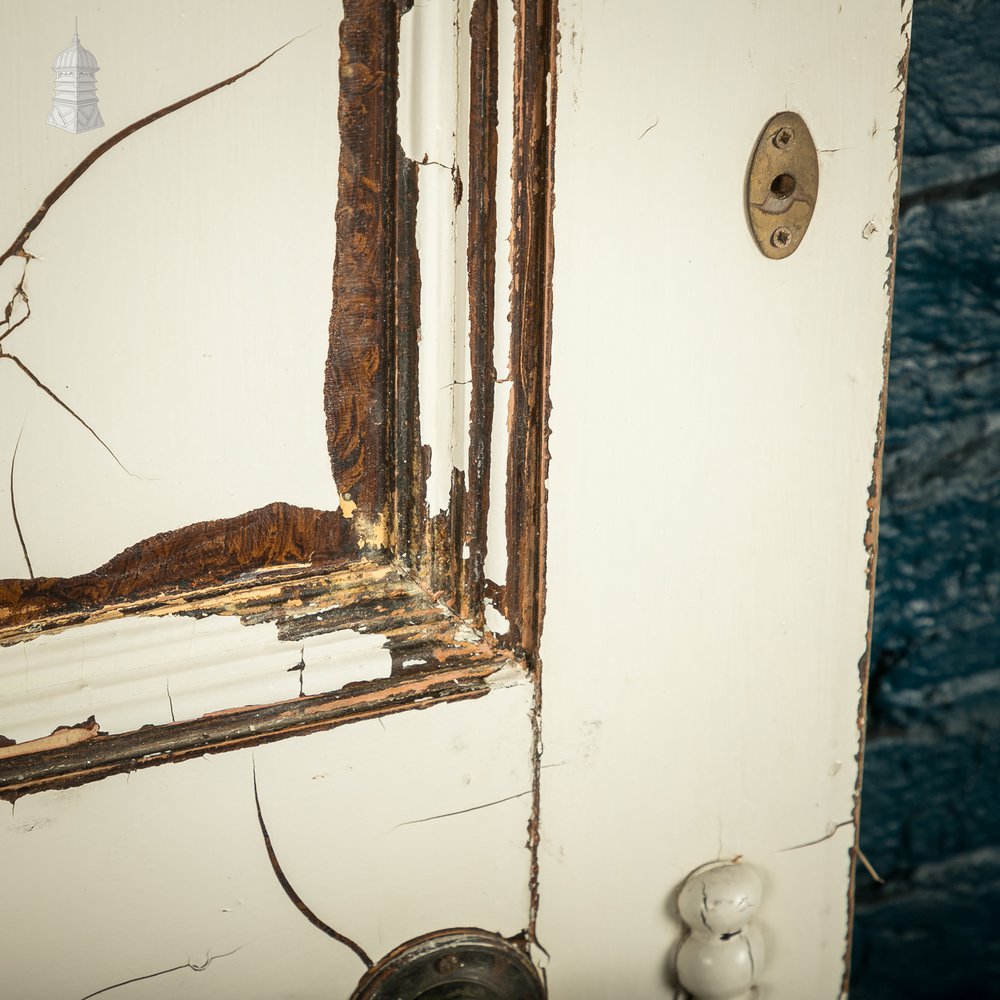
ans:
(244, 668)
(172, 670)
(183, 847)
(155, 330)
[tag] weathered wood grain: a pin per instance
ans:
(531, 315)
(188, 558)
(358, 418)
(91, 760)
(412, 461)
(435, 657)
(482, 276)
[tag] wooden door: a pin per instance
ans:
(428, 507)
(716, 446)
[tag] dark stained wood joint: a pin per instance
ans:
(105, 755)
(531, 314)
(482, 184)
(395, 569)
(188, 559)
(358, 403)
(433, 654)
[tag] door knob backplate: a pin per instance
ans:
(457, 964)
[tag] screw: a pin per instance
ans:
(781, 237)
(447, 963)
(783, 137)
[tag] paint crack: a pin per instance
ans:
(292, 894)
(13, 506)
(17, 249)
(193, 966)
(818, 840)
(462, 812)
(301, 668)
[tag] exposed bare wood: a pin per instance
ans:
(358, 417)
(64, 736)
(197, 555)
(412, 460)
(435, 657)
(151, 746)
(531, 313)
(482, 277)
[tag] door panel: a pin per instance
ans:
(712, 489)
(180, 290)
(318, 311)
(386, 829)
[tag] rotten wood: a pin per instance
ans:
(429, 546)
(447, 550)
(150, 746)
(482, 182)
(435, 657)
(262, 566)
(531, 316)
(440, 564)
(412, 460)
(375, 596)
(198, 555)
(358, 407)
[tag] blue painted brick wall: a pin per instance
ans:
(930, 817)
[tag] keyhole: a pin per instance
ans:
(783, 186)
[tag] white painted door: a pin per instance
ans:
(608, 519)
(716, 444)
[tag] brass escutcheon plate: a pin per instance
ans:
(782, 184)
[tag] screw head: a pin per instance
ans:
(783, 137)
(781, 237)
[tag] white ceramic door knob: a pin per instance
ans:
(723, 955)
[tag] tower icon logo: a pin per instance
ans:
(74, 107)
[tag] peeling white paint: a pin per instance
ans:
(461, 330)
(134, 672)
(496, 530)
(466, 633)
(495, 621)
(434, 67)
(182, 871)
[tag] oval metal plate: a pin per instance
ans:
(459, 964)
(782, 185)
